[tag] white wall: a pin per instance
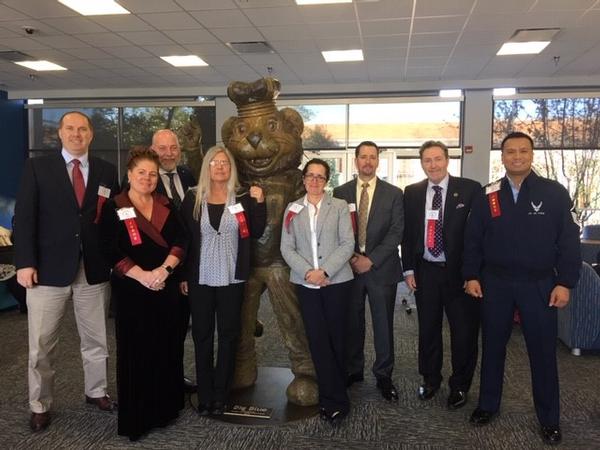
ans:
(477, 132)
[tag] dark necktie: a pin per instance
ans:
(363, 216)
(78, 182)
(174, 194)
(438, 243)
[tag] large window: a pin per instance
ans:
(566, 133)
(333, 130)
(117, 129)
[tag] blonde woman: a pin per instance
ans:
(221, 220)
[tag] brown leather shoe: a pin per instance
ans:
(103, 403)
(39, 421)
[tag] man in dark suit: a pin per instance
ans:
(174, 181)
(378, 214)
(58, 258)
(436, 211)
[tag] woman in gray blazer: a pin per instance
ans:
(317, 242)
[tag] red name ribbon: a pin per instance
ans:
(288, 219)
(494, 204)
(101, 201)
(242, 224)
(430, 233)
(353, 218)
(134, 233)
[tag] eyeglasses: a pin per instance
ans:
(219, 162)
(311, 177)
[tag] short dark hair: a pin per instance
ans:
(365, 144)
(432, 143)
(140, 153)
(62, 118)
(516, 135)
(320, 162)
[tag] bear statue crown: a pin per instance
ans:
(256, 98)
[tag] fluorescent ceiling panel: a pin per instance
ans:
(343, 55)
(40, 66)
(320, 2)
(522, 48)
(504, 92)
(184, 61)
(95, 7)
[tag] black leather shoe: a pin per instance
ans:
(551, 435)
(336, 417)
(427, 391)
(203, 409)
(457, 399)
(39, 421)
(354, 378)
(189, 386)
(481, 417)
(217, 409)
(388, 390)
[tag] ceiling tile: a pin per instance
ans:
(195, 5)
(433, 39)
(171, 21)
(386, 54)
(442, 24)
(22, 43)
(286, 32)
(7, 13)
(384, 9)
(126, 22)
(430, 51)
(127, 51)
(166, 50)
(40, 9)
(228, 18)
(223, 60)
(147, 6)
(87, 53)
(328, 13)
(342, 43)
(385, 27)
(400, 40)
(146, 37)
(334, 30)
(103, 39)
(562, 5)
(209, 49)
(61, 41)
(237, 34)
(300, 45)
(74, 25)
(437, 8)
(503, 7)
(288, 15)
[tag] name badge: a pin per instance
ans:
(237, 208)
(296, 208)
(432, 214)
(352, 207)
(103, 191)
(126, 213)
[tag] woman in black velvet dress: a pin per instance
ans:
(143, 239)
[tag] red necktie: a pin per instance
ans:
(78, 182)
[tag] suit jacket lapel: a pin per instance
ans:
(422, 206)
(93, 181)
(322, 215)
(452, 197)
(375, 202)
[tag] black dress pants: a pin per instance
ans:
(206, 302)
(435, 294)
(324, 314)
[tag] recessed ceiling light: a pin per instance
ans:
(450, 93)
(40, 65)
(95, 7)
(343, 55)
(184, 61)
(504, 92)
(522, 48)
(320, 2)
(35, 101)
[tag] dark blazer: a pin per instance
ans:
(256, 216)
(384, 228)
(459, 198)
(188, 180)
(50, 228)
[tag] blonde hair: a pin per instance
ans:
(203, 189)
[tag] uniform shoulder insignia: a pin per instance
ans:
(493, 186)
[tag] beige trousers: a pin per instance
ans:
(46, 307)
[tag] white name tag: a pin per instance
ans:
(126, 213)
(492, 187)
(432, 214)
(296, 208)
(103, 191)
(352, 207)
(237, 208)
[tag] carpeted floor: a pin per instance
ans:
(372, 423)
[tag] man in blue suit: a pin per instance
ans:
(378, 213)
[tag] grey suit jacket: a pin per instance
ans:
(335, 241)
(384, 229)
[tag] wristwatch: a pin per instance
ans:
(169, 269)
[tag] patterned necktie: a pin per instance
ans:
(174, 194)
(438, 243)
(363, 216)
(78, 182)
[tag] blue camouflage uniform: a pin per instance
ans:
(519, 257)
